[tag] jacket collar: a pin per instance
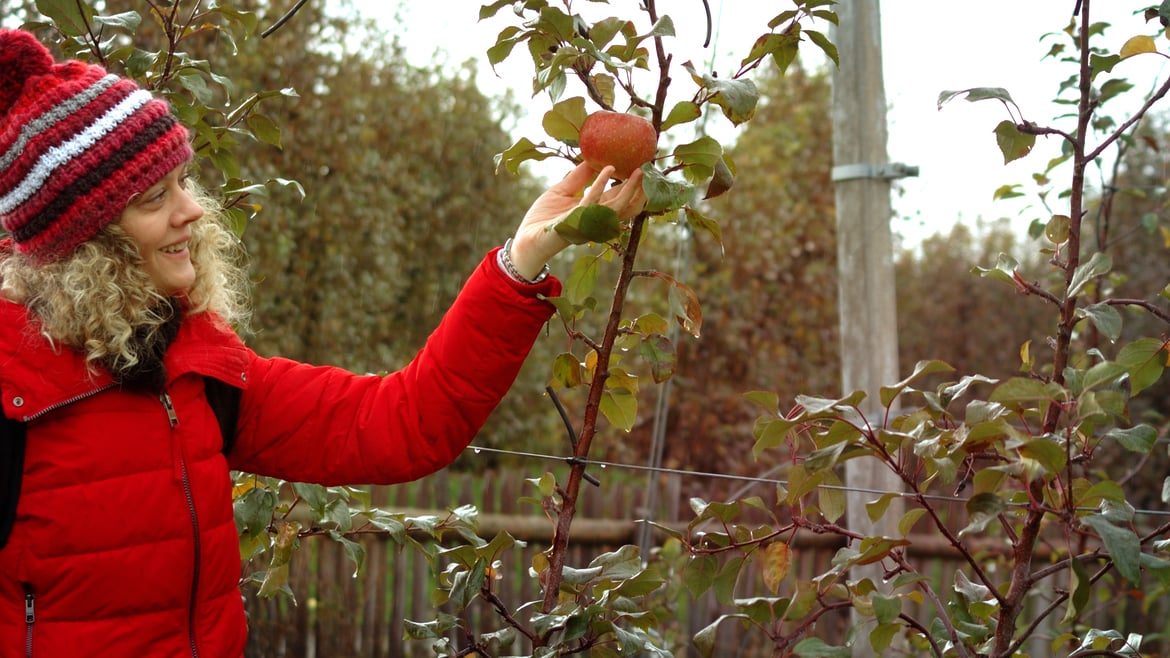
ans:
(36, 376)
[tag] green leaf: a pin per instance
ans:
(567, 371)
(1099, 264)
(684, 303)
(1048, 454)
(886, 608)
(921, 369)
(1145, 360)
(1140, 438)
(737, 98)
(1004, 270)
(264, 129)
(701, 222)
(876, 509)
(127, 20)
(823, 42)
(906, 523)
(593, 223)
(353, 550)
(620, 407)
(976, 94)
(881, 637)
(782, 46)
(705, 639)
(724, 584)
(699, 573)
(563, 121)
(1079, 587)
(682, 112)
(1105, 490)
(699, 158)
(1102, 64)
(815, 647)
(69, 16)
(982, 509)
(721, 181)
(1019, 390)
(253, 510)
(770, 433)
(582, 279)
(1101, 375)
(1013, 143)
(522, 150)
(831, 497)
(659, 352)
(315, 495)
(1105, 317)
(1122, 544)
(766, 400)
(662, 193)
(970, 591)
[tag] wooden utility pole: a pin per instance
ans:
(866, 301)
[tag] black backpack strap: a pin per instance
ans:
(11, 469)
(225, 402)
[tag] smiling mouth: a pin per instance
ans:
(175, 248)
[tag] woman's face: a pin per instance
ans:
(159, 222)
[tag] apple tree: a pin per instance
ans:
(585, 66)
(1044, 531)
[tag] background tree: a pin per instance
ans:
(943, 314)
(768, 289)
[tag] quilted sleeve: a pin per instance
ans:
(326, 425)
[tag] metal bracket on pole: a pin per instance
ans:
(884, 171)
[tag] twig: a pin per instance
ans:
(923, 631)
(283, 19)
(502, 610)
(1153, 309)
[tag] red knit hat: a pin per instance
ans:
(76, 144)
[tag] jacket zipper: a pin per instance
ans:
(173, 418)
(30, 608)
(66, 403)
(30, 617)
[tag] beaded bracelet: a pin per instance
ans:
(505, 260)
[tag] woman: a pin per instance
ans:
(118, 289)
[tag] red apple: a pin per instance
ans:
(623, 140)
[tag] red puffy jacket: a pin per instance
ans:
(124, 542)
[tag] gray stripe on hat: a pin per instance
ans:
(60, 111)
(60, 154)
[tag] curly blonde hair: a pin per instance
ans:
(101, 302)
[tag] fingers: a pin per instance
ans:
(630, 193)
(597, 189)
(575, 180)
(627, 198)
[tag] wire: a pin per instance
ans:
(748, 478)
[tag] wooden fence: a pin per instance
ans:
(343, 614)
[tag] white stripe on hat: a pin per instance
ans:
(58, 155)
(58, 112)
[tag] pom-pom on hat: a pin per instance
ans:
(76, 144)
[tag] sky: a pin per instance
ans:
(925, 50)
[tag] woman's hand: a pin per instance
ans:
(536, 242)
